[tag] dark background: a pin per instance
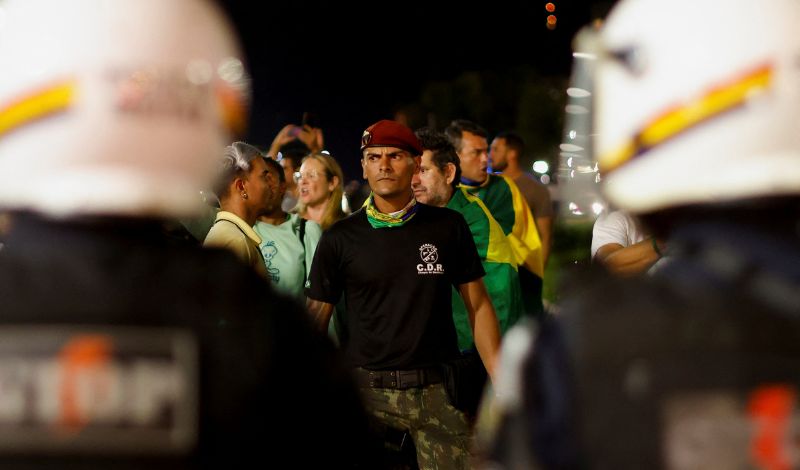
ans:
(353, 63)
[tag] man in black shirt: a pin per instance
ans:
(395, 261)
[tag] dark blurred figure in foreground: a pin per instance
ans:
(698, 365)
(119, 349)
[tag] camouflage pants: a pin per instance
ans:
(440, 432)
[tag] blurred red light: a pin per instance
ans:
(551, 7)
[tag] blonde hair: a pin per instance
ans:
(333, 211)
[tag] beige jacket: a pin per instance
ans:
(233, 233)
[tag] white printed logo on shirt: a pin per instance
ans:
(429, 255)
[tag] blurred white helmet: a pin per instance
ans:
(698, 101)
(115, 106)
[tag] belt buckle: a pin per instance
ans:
(408, 379)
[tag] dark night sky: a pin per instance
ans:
(353, 63)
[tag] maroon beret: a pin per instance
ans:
(387, 133)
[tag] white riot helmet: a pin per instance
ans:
(698, 101)
(115, 106)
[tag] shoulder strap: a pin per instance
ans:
(302, 234)
(235, 225)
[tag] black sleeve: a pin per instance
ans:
(468, 263)
(325, 279)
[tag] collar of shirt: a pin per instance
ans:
(235, 219)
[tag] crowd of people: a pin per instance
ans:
(385, 272)
(290, 323)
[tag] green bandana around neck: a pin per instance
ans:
(378, 219)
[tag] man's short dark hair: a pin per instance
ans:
(456, 129)
(513, 141)
(442, 151)
(277, 168)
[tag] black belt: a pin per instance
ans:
(398, 379)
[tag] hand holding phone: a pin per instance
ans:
(295, 131)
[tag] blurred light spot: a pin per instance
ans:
(575, 109)
(569, 162)
(578, 92)
(551, 19)
(325, 152)
(551, 7)
(573, 134)
(584, 55)
(545, 179)
(231, 70)
(597, 178)
(572, 174)
(540, 166)
(570, 147)
(597, 208)
(575, 209)
(199, 72)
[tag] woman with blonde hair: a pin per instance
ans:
(320, 183)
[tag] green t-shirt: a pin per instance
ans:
(501, 280)
(285, 256)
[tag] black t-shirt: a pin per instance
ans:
(397, 283)
(261, 369)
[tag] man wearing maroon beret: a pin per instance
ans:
(396, 262)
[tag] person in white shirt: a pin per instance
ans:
(622, 246)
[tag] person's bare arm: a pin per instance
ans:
(320, 313)
(283, 137)
(627, 261)
(483, 321)
(312, 137)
